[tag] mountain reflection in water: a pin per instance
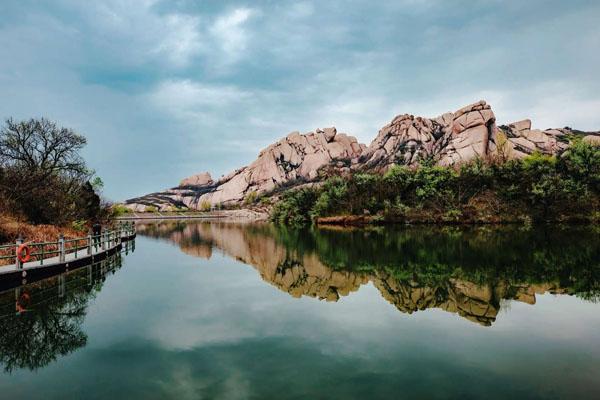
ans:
(43, 320)
(471, 272)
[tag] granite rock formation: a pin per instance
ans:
(458, 137)
(449, 139)
(522, 140)
(295, 158)
(201, 179)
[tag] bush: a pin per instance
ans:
(205, 206)
(295, 207)
(264, 200)
(79, 225)
(251, 198)
(151, 209)
(332, 198)
(119, 209)
(538, 187)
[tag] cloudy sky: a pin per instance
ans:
(166, 89)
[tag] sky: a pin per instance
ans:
(166, 89)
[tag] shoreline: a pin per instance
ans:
(367, 220)
(240, 214)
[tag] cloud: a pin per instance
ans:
(195, 103)
(182, 40)
(228, 30)
(214, 82)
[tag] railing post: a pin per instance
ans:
(103, 240)
(89, 246)
(61, 248)
(18, 262)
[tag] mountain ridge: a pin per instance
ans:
(450, 139)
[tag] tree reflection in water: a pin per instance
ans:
(470, 272)
(42, 321)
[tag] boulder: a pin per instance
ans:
(522, 140)
(592, 139)
(449, 139)
(521, 125)
(329, 133)
(201, 179)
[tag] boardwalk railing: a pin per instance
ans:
(64, 247)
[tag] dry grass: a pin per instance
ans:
(11, 228)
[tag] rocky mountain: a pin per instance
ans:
(450, 139)
(296, 158)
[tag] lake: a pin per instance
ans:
(239, 311)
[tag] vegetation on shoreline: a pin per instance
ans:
(44, 181)
(537, 188)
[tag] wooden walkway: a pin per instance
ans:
(14, 275)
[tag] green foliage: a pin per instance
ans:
(205, 206)
(395, 210)
(537, 188)
(79, 225)
(294, 207)
(582, 161)
(452, 215)
(251, 198)
(119, 209)
(264, 200)
(331, 197)
(97, 183)
(433, 182)
(151, 209)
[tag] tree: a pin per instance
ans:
(39, 146)
(42, 175)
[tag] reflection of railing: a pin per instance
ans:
(42, 321)
(56, 287)
(63, 248)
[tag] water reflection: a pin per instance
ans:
(42, 321)
(470, 272)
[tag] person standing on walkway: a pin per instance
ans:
(96, 231)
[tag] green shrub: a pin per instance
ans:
(205, 206)
(295, 207)
(151, 209)
(264, 200)
(251, 198)
(452, 215)
(118, 209)
(332, 198)
(538, 187)
(79, 225)
(582, 161)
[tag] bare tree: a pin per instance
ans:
(39, 146)
(42, 175)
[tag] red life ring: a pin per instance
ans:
(23, 253)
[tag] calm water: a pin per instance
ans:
(231, 311)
